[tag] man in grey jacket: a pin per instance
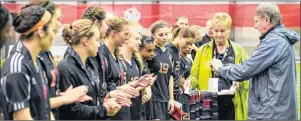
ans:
(272, 69)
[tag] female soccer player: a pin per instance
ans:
(147, 48)
(97, 15)
(25, 88)
(47, 60)
(133, 67)
(180, 37)
(48, 65)
(117, 34)
(6, 21)
(161, 65)
(76, 69)
(185, 67)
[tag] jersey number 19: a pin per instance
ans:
(164, 68)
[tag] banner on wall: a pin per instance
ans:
(146, 14)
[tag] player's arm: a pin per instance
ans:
(18, 97)
(22, 114)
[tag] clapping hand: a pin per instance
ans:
(122, 98)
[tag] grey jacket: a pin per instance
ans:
(272, 69)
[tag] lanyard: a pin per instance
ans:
(224, 57)
(45, 92)
(225, 53)
(121, 70)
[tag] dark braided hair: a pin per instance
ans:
(27, 19)
(47, 4)
(94, 13)
(5, 23)
(4, 16)
(145, 40)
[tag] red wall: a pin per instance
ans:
(242, 14)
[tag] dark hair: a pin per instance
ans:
(175, 29)
(94, 13)
(187, 33)
(79, 29)
(47, 4)
(4, 16)
(27, 19)
(157, 25)
(145, 41)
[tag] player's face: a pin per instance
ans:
(134, 42)
(93, 43)
(53, 27)
(147, 52)
(160, 36)
(56, 19)
(46, 40)
(186, 45)
(122, 36)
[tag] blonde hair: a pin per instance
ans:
(135, 25)
(79, 29)
(116, 24)
(221, 19)
(137, 28)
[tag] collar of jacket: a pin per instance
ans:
(210, 44)
(24, 50)
(266, 33)
(74, 54)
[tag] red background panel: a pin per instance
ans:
(242, 14)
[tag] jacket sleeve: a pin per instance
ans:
(17, 87)
(82, 111)
(86, 111)
(265, 55)
(111, 85)
(195, 70)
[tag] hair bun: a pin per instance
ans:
(67, 33)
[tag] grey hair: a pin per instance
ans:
(269, 10)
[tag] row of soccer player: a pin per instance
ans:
(102, 75)
(111, 71)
